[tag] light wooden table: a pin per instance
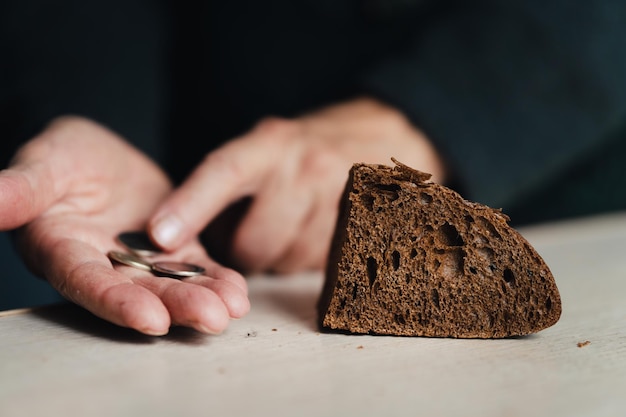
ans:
(61, 361)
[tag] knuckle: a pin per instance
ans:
(276, 126)
(320, 162)
(71, 123)
(69, 119)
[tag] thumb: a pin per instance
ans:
(33, 181)
(26, 191)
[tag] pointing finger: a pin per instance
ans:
(233, 171)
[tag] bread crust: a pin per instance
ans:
(413, 258)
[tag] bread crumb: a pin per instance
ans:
(583, 344)
(274, 330)
(360, 347)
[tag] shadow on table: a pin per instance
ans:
(72, 317)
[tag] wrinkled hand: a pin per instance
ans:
(295, 170)
(70, 191)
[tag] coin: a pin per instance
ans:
(176, 269)
(139, 243)
(129, 259)
(163, 269)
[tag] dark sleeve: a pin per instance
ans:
(513, 94)
(99, 59)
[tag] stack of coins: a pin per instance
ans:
(140, 247)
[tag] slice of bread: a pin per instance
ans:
(411, 257)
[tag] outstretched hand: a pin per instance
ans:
(69, 192)
(295, 171)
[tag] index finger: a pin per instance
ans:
(227, 174)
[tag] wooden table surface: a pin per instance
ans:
(61, 361)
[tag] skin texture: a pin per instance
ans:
(73, 188)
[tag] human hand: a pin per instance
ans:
(70, 191)
(295, 170)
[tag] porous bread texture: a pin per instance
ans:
(413, 258)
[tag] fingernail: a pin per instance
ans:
(166, 230)
(154, 332)
(204, 329)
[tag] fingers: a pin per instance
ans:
(136, 299)
(233, 296)
(227, 174)
(189, 305)
(290, 225)
(310, 249)
(204, 303)
(274, 219)
(84, 276)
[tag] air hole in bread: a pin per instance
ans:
(394, 188)
(395, 259)
(548, 304)
(485, 253)
(449, 236)
(425, 198)
(368, 201)
(489, 227)
(413, 253)
(508, 276)
(372, 270)
(390, 191)
(434, 296)
(451, 264)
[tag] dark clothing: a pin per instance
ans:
(522, 100)
(526, 102)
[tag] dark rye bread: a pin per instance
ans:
(411, 257)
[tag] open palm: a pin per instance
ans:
(70, 191)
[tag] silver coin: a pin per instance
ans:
(176, 269)
(139, 243)
(129, 259)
